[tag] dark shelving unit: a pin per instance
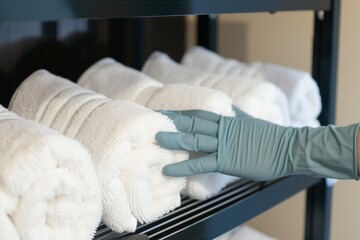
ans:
(243, 199)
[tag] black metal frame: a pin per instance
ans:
(210, 218)
(16, 10)
(325, 54)
(242, 200)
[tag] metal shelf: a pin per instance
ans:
(234, 205)
(17, 10)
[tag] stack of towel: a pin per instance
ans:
(117, 81)
(258, 98)
(48, 185)
(300, 88)
(120, 135)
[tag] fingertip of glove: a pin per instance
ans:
(162, 138)
(167, 171)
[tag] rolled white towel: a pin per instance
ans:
(256, 97)
(103, 77)
(183, 97)
(299, 87)
(121, 138)
(117, 81)
(202, 58)
(48, 185)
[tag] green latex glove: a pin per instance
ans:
(255, 149)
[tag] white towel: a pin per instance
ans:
(184, 97)
(103, 77)
(244, 232)
(256, 97)
(121, 137)
(117, 81)
(206, 185)
(48, 185)
(299, 87)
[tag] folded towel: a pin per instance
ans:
(117, 81)
(48, 185)
(299, 87)
(120, 135)
(256, 97)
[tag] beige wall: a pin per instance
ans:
(346, 209)
(285, 38)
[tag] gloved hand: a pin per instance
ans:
(255, 149)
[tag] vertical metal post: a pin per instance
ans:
(207, 31)
(318, 211)
(137, 31)
(49, 29)
(127, 40)
(325, 54)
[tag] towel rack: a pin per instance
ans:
(243, 199)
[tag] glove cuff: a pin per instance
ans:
(328, 151)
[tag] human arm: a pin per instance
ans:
(255, 149)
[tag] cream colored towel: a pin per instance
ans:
(121, 138)
(299, 87)
(256, 97)
(117, 81)
(48, 185)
